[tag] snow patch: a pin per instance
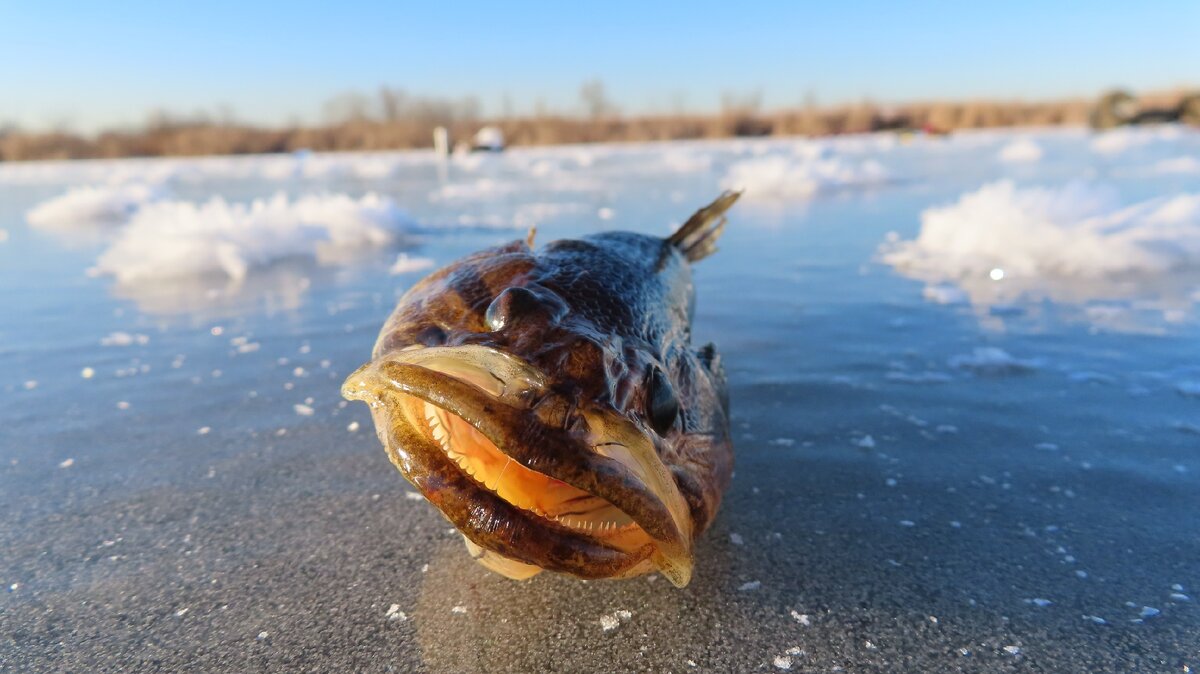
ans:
(93, 206)
(405, 264)
(172, 239)
(992, 361)
(1021, 151)
(777, 176)
(1002, 241)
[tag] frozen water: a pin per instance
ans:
(1013, 375)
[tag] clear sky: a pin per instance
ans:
(92, 65)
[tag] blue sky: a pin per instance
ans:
(107, 64)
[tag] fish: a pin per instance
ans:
(549, 402)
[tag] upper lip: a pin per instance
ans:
(640, 487)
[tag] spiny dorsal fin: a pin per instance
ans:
(697, 238)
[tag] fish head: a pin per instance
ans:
(537, 432)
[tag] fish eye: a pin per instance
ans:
(662, 404)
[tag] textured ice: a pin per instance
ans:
(171, 239)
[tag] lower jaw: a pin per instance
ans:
(503, 537)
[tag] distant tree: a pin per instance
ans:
(595, 100)
(348, 107)
(391, 103)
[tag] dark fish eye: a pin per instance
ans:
(662, 404)
(517, 302)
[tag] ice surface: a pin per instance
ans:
(821, 346)
(170, 239)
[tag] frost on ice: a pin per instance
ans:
(612, 621)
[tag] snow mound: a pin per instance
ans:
(405, 264)
(173, 239)
(1021, 151)
(801, 176)
(1118, 141)
(993, 361)
(1186, 165)
(1078, 230)
(93, 206)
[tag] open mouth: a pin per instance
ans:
(463, 425)
(530, 490)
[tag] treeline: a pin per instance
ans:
(393, 119)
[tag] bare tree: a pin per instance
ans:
(595, 100)
(391, 103)
(348, 107)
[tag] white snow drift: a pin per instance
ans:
(91, 206)
(172, 239)
(1021, 151)
(1078, 230)
(780, 176)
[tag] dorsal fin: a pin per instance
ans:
(697, 238)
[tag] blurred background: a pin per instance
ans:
(149, 79)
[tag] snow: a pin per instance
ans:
(781, 177)
(1021, 151)
(92, 206)
(612, 621)
(489, 138)
(1186, 165)
(1076, 230)
(1117, 141)
(992, 361)
(405, 264)
(171, 239)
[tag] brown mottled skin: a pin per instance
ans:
(597, 316)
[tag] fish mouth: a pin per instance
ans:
(531, 479)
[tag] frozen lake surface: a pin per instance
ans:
(965, 378)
